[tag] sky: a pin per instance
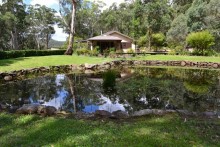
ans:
(60, 36)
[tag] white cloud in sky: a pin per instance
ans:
(59, 35)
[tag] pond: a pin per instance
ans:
(130, 89)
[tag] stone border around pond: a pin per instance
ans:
(52, 111)
(16, 75)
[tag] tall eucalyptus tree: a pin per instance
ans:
(65, 7)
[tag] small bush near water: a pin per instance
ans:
(201, 41)
(29, 53)
(87, 52)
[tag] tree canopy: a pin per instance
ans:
(21, 24)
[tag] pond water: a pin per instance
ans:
(130, 90)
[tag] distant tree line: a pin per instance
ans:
(148, 21)
(25, 26)
(152, 23)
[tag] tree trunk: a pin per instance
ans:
(38, 41)
(149, 38)
(72, 90)
(69, 50)
(14, 39)
(47, 41)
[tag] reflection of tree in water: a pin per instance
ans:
(155, 88)
(200, 88)
(42, 88)
(81, 91)
(109, 83)
(197, 90)
(143, 92)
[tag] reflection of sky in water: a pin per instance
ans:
(109, 106)
(59, 78)
(59, 101)
(164, 92)
(90, 108)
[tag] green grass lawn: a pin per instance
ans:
(31, 62)
(178, 58)
(147, 131)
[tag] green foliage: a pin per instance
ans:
(212, 21)
(130, 51)
(200, 40)
(87, 52)
(109, 81)
(158, 39)
(176, 35)
(83, 51)
(94, 52)
(112, 52)
(98, 49)
(201, 89)
(106, 52)
(12, 24)
(196, 15)
(29, 53)
(210, 52)
(142, 41)
(112, 49)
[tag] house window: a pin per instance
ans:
(124, 45)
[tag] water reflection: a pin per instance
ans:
(127, 90)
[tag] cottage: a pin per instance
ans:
(112, 39)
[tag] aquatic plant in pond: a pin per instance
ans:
(128, 90)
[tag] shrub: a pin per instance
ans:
(172, 52)
(29, 53)
(106, 52)
(200, 41)
(130, 51)
(98, 49)
(205, 53)
(82, 52)
(94, 52)
(112, 49)
(119, 51)
(158, 40)
(142, 41)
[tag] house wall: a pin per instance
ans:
(126, 42)
(124, 39)
(126, 45)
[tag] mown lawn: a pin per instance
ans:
(169, 130)
(31, 62)
(178, 58)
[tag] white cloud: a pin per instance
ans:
(59, 35)
(47, 3)
(1, 2)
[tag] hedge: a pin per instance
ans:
(29, 53)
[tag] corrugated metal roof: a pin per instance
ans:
(105, 37)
